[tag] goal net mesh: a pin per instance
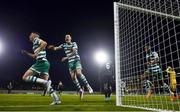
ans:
(147, 53)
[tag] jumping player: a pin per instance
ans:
(153, 69)
(41, 67)
(75, 68)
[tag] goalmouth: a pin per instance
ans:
(155, 23)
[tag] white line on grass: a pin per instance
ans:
(49, 105)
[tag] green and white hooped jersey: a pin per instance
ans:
(41, 54)
(68, 51)
(153, 68)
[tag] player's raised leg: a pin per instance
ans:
(51, 91)
(77, 84)
(71, 51)
(41, 66)
(83, 79)
(75, 81)
(166, 87)
(29, 77)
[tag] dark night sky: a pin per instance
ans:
(90, 22)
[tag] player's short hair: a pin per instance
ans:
(68, 35)
(36, 33)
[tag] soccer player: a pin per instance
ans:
(71, 50)
(41, 67)
(107, 91)
(60, 87)
(124, 89)
(9, 87)
(173, 83)
(153, 69)
(147, 85)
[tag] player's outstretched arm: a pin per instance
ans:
(28, 54)
(52, 47)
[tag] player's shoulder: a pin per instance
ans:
(74, 43)
(154, 52)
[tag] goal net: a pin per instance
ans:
(147, 54)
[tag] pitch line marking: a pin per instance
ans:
(46, 105)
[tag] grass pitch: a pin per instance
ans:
(162, 102)
(71, 102)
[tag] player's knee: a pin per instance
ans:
(27, 74)
(78, 72)
(24, 77)
(73, 77)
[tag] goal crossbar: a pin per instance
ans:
(148, 11)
